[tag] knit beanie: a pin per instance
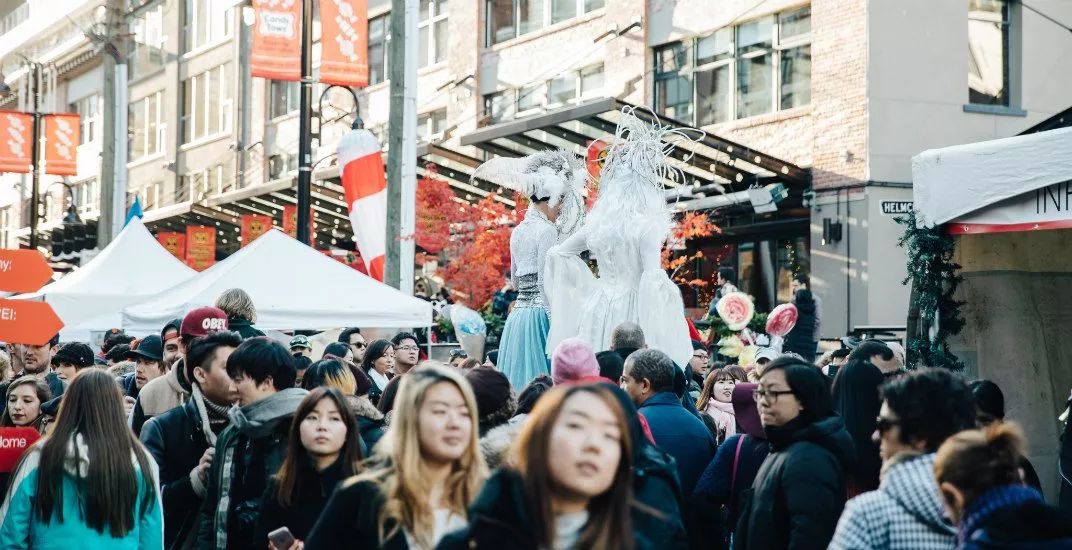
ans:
(573, 359)
(495, 403)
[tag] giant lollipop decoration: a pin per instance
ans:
(736, 310)
(780, 321)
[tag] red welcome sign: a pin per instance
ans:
(13, 444)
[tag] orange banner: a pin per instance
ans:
(344, 38)
(200, 247)
(290, 221)
(254, 226)
(61, 144)
(16, 138)
(175, 243)
(276, 52)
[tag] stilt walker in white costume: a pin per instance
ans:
(625, 233)
(553, 182)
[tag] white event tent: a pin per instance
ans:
(131, 268)
(292, 286)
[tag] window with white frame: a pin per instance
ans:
(500, 105)
(207, 104)
(214, 180)
(88, 109)
(206, 22)
(988, 52)
(573, 86)
(379, 36)
(530, 98)
(5, 227)
(755, 68)
(88, 194)
(432, 30)
(508, 19)
(153, 195)
(147, 42)
(283, 98)
(431, 125)
(145, 123)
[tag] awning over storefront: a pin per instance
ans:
(1012, 184)
(712, 165)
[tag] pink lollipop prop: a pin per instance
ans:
(782, 320)
(736, 310)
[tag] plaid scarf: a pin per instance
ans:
(993, 500)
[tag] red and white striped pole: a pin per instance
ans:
(365, 185)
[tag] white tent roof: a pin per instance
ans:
(953, 181)
(292, 286)
(131, 268)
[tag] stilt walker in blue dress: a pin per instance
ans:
(553, 181)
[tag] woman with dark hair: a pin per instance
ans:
(379, 365)
(90, 484)
(24, 398)
(339, 350)
(716, 399)
(323, 449)
(570, 483)
(799, 490)
(857, 400)
(978, 475)
(990, 410)
(730, 474)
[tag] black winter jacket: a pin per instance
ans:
(1029, 526)
(351, 520)
(801, 339)
(799, 491)
(499, 519)
(176, 439)
(305, 506)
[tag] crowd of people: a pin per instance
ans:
(206, 437)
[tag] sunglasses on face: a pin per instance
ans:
(885, 424)
(359, 345)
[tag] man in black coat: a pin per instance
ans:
(37, 362)
(181, 440)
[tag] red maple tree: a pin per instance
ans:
(691, 225)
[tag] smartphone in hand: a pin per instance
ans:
(281, 538)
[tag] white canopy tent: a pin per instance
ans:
(130, 269)
(1017, 182)
(293, 287)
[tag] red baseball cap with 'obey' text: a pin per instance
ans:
(202, 321)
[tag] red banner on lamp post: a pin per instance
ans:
(344, 39)
(254, 226)
(277, 40)
(16, 139)
(175, 243)
(61, 144)
(200, 247)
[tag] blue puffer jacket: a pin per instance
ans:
(20, 529)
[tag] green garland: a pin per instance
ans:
(934, 279)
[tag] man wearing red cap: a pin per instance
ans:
(173, 389)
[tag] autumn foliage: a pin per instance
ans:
(691, 225)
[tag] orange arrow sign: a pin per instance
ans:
(23, 270)
(27, 322)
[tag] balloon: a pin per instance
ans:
(736, 310)
(782, 320)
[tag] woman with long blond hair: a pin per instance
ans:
(569, 484)
(423, 476)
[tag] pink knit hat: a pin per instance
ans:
(573, 359)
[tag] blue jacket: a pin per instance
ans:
(681, 434)
(20, 529)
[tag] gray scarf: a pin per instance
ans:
(260, 418)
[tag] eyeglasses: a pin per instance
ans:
(454, 354)
(884, 425)
(408, 348)
(359, 345)
(770, 396)
(701, 355)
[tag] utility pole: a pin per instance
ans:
(113, 174)
(305, 108)
(402, 146)
(33, 73)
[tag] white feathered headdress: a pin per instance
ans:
(556, 176)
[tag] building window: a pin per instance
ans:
(432, 29)
(573, 86)
(153, 195)
(752, 69)
(89, 117)
(283, 98)
(530, 98)
(499, 105)
(146, 126)
(88, 195)
(5, 227)
(988, 52)
(147, 41)
(673, 88)
(508, 19)
(431, 125)
(378, 37)
(206, 22)
(211, 181)
(207, 104)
